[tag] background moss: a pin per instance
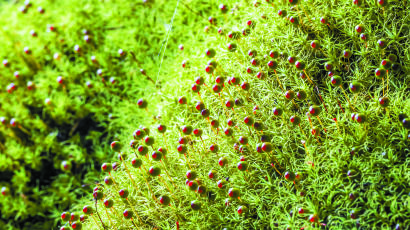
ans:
(81, 122)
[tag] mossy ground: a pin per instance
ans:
(347, 167)
(374, 152)
(80, 121)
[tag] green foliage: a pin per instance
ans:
(343, 172)
(64, 112)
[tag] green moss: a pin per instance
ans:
(74, 122)
(64, 114)
(317, 153)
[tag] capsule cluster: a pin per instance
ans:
(270, 130)
(65, 74)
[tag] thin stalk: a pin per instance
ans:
(187, 160)
(132, 221)
(200, 98)
(337, 125)
(323, 52)
(302, 131)
(203, 143)
(129, 174)
(96, 223)
(223, 106)
(149, 187)
(109, 219)
(306, 150)
(320, 96)
(338, 102)
(116, 213)
(166, 185)
(308, 78)
(165, 140)
(115, 183)
(135, 211)
(280, 84)
(310, 121)
(166, 171)
(321, 124)
(387, 73)
(96, 210)
(346, 97)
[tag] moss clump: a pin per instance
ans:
(355, 145)
(348, 58)
(72, 73)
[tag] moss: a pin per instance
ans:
(323, 160)
(328, 154)
(61, 109)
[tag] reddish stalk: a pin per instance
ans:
(208, 88)
(320, 96)
(200, 98)
(310, 121)
(338, 102)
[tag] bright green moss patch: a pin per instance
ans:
(273, 114)
(290, 126)
(70, 81)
